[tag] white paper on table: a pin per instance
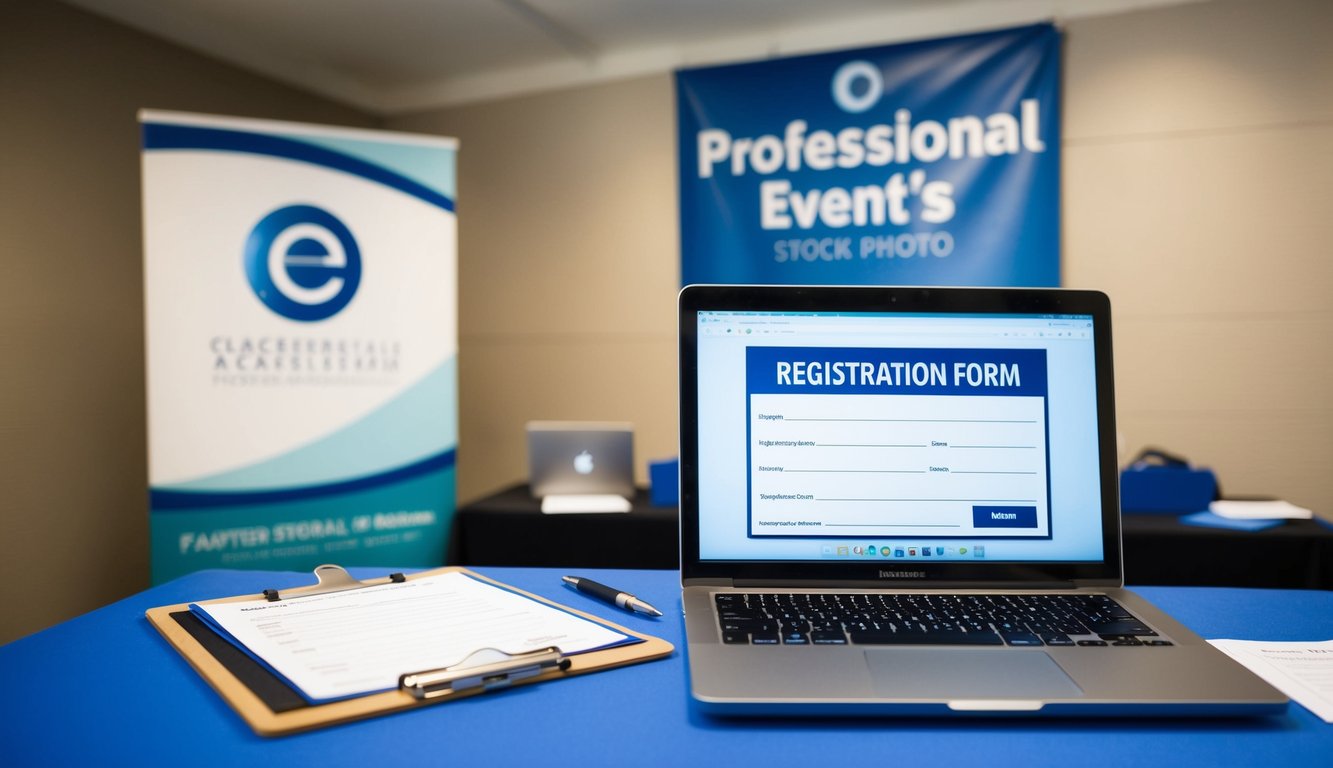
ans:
(1303, 671)
(568, 503)
(1259, 510)
(361, 640)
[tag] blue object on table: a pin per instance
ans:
(1208, 519)
(1170, 489)
(664, 482)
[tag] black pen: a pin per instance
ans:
(611, 595)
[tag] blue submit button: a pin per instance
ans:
(1004, 517)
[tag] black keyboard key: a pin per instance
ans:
(1020, 638)
(748, 625)
(736, 638)
(765, 638)
(924, 638)
(828, 637)
(740, 611)
(1057, 639)
(1132, 627)
(795, 638)
(1092, 642)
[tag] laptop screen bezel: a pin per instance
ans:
(1012, 301)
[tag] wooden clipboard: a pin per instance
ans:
(267, 721)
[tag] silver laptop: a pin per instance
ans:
(905, 501)
(580, 458)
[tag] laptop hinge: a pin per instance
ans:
(901, 584)
(706, 582)
(1099, 583)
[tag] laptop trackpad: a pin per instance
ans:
(958, 673)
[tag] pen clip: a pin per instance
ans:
(486, 668)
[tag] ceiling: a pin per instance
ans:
(402, 56)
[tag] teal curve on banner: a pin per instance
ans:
(425, 164)
(418, 425)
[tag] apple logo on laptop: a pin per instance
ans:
(583, 463)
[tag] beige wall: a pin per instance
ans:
(1196, 192)
(568, 269)
(73, 456)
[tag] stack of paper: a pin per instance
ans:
(1275, 509)
(1247, 515)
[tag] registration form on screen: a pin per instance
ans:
(897, 441)
(865, 429)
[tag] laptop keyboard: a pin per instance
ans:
(763, 618)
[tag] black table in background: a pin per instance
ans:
(509, 529)
(1159, 549)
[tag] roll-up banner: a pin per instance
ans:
(301, 328)
(926, 163)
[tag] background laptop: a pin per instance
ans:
(584, 459)
(904, 500)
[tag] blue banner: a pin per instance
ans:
(928, 163)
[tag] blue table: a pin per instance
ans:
(106, 689)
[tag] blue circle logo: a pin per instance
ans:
(303, 263)
(857, 86)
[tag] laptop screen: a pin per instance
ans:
(903, 437)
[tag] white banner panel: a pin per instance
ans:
(300, 293)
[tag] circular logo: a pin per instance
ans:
(303, 263)
(857, 86)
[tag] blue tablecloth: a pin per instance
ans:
(106, 689)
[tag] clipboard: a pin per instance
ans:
(272, 708)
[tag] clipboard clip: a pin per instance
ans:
(332, 578)
(486, 668)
